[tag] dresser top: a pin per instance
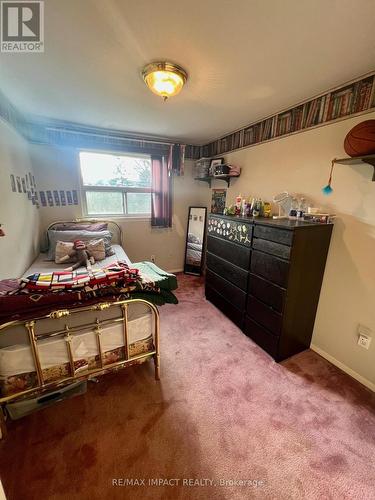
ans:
(263, 221)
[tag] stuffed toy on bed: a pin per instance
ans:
(80, 254)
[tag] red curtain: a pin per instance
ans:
(161, 201)
(176, 159)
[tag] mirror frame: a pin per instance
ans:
(194, 270)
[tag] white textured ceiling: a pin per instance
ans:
(245, 58)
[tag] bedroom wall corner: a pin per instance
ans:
(18, 216)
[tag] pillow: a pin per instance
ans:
(70, 226)
(62, 249)
(71, 236)
(97, 249)
(193, 239)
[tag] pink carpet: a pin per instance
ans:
(223, 411)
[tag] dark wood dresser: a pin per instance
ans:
(266, 275)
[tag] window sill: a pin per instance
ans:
(120, 218)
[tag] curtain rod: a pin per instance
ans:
(126, 138)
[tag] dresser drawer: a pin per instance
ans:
(271, 247)
(231, 230)
(225, 307)
(271, 268)
(227, 290)
(231, 252)
(264, 315)
(262, 337)
(228, 271)
(267, 292)
(282, 236)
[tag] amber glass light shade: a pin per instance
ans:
(164, 79)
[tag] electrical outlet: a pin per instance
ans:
(364, 337)
(153, 258)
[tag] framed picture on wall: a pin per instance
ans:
(75, 197)
(49, 198)
(19, 185)
(13, 183)
(43, 199)
(56, 197)
(62, 198)
(218, 201)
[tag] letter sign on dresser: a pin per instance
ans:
(266, 275)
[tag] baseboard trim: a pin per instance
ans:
(344, 368)
(174, 271)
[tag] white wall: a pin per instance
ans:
(58, 168)
(19, 218)
(300, 164)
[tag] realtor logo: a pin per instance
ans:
(22, 26)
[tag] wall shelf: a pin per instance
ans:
(356, 160)
(211, 178)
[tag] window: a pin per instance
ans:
(116, 184)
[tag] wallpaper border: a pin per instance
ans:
(345, 101)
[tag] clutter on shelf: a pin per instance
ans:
(290, 207)
(208, 169)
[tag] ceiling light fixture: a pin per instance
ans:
(164, 78)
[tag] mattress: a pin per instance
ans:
(18, 372)
(41, 265)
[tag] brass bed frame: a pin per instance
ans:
(29, 326)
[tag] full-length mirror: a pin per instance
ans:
(195, 240)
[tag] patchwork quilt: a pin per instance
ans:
(41, 293)
(118, 273)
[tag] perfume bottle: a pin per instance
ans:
(293, 209)
(238, 204)
(302, 208)
(257, 208)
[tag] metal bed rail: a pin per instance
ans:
(68, 334)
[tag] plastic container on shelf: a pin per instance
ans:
(202, 167)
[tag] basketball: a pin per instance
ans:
(360, 141)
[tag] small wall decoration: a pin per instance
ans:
(43, 199)
(62, 198)
(218, 201)
(13, 183)
(19, 185)
(56, 197)
(49, 198)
